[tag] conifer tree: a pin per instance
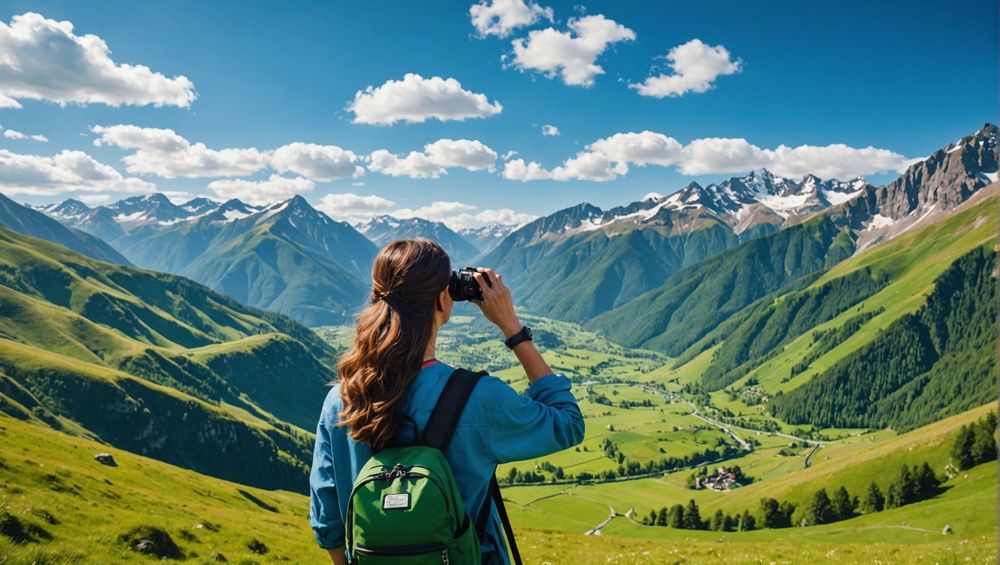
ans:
(909, 489)
(984, 447)
(961, 451)
(843, 505)
(676, 517)
(770, 513)
(692, 516)
(662, 518)
(718, 521)
(820, 510)
(927, 481)
(747, 522)
(874, 501)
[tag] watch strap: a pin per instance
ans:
(523, 335)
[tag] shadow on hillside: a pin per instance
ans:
(257, 501)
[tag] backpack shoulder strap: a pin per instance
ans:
(448, 409)
(494, 498)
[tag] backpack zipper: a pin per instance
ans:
(405, 550)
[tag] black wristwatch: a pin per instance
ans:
(523, 335)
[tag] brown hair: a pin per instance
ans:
(391, 338)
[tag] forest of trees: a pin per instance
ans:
(976, 443)
(827, 340)
(626, 468)
(911, 485)
(927, 365)
(764, 331)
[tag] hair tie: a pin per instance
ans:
(388, 297)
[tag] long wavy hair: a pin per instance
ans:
(391, 338)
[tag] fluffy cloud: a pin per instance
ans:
(67, 171)
(608, 158)
(274, 189)
(550, 130)
(318, 162)
(695, 67)
(501, 17)
(14, 134)
(641, 149)
(44, 59)
(570, 54)
(459, 215)
(416, 99)
(722, 155)
(354, 208)
(164, 153)
(435, 159)
(587, 165)
(93, 199)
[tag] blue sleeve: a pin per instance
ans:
(544, 420)
(324, 508)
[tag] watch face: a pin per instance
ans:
(527, 332)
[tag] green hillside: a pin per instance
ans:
(157, 364)
(746, 357)
(582, 276)
(926, 365)
(697, 299)
(30, 222)
(288, 258)
(62, 506)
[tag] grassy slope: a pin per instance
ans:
(854, 464)
(912, 261)
(42, 471)
(79, 336)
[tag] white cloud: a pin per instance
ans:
(641, 149)
(549, 130)
(459, 215)
(93, 199)
(571, 54)
(722, 155)
(178, 196)
(273, 189)
(416, 99)
(695, 67)
(164, 153)
(14, 134)
(435, 159)
(501, 17)
(608, 158)
(44, 59)
(587, 165)
(318, 162)
(67, 171)
(353, 208)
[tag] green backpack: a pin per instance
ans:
(405, 507)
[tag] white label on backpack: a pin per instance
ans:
(392, 501)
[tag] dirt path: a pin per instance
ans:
(596, 530)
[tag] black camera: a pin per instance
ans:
(463, 285)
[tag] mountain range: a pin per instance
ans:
(691, 303)
(157, 364)
(844, 304)
(384, 229)
(287, 257)
(581, 264)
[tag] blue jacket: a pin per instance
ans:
(498, 425)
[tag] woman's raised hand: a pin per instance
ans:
(497, 304)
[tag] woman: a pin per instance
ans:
(390, 374)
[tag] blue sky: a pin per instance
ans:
(902, 77)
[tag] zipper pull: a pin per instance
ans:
(445, 560)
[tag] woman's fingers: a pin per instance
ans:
(484, 285)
